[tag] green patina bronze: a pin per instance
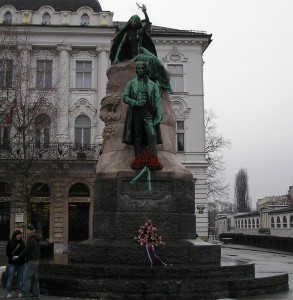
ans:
(134, 43)
(144, 113)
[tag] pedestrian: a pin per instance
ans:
(32, 254)
(13, 248)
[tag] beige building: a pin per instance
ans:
(55, 62)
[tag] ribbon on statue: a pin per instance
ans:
(141, 173)
(152, 253)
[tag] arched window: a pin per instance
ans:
(242, 224)
(82, 130)
(245, 223)
(40, 190)
(272, 222)
(249, 223)
(46, 19)
(5, 189)
(278, 222)
(42, 127)
(257, 223)
(291, 221)
(79, 190)
(253, 223)
(8, 18)
(85, 20)
(285, 225)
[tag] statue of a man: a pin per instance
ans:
(144, 114)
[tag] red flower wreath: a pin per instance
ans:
(146, 159)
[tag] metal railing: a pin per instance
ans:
(52, 151)
(168, 31)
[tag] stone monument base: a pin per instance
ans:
(183, 281)
(127, 252)
(113, 266)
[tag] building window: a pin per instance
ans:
(176, 78)
(46, 19)
(272, 222)
(83, 78)
(249, 223)
(40, 190)
(5, 189)
(85, 20)
(42, 127)
(245, 223)
(278, 222)
(291, 221)
(257, 223)
(79, 190)
(82, 130)
(242, 224)
(4, 132)
(180, 136)
(285, 225)
(6, 66)
(44, 74)
(7, 18)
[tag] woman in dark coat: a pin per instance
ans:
(14, 246)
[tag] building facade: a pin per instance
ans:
(271, 220)
(53, 76)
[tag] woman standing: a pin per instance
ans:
(14, 246)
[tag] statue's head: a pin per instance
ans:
(142, 68)
(135, 22)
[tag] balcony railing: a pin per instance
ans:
(53, 151)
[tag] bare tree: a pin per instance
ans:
(26, 100)
(241, 192)
(214, 144)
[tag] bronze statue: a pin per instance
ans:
(144, 113)
(134, 43)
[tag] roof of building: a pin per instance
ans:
(248, 214)
(172, 32)
(281, 210)
(58, 5)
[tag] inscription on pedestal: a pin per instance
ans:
(137, 198)
(160, 188)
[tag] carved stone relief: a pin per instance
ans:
(109, 110)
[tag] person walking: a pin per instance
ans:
(13, 248)
(32, 254)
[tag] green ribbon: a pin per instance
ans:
(141, 173)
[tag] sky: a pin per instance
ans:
(248, 80)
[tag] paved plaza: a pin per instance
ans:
(267, 262)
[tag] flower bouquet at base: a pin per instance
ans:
(147, 236)
(146, 159)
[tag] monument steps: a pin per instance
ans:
(96, 271)
(154, 286)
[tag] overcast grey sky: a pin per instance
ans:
(248, 79)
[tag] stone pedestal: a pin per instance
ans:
(121, 208)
